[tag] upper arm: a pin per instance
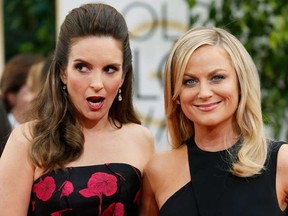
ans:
(145, 141)
(282, 169)
(149, 140)
(149, 205)
(16, 176)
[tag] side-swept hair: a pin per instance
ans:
(248, 117)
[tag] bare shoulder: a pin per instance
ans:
(140, 134)
(283, 156)
(15, 162)
(162, 168)
(139, 130)
(20, 137)
(163, 164)
(18, 145)
(282, 174)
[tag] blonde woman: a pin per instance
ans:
(221, 162)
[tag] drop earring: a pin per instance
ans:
(119, 95)
(64, 88)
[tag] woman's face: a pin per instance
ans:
(93, 76)
(209, 95)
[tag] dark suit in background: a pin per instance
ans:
(5, 127)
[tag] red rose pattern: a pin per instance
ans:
(44, 188)
(115, 209)
(59, 213)
(100, 183)
(66, 188)
(137, 198)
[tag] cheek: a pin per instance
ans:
(76, 85)
(186, 95)
(113, 86)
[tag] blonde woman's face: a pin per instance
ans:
(209, 94)
(93, 76)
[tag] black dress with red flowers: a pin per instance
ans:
(108, 189)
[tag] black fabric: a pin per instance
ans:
(5, 127)
(214, 191)
(108, 189)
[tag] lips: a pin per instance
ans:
(95, 103)
(207, 107)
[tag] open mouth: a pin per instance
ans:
(95, 101)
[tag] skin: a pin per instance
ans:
(209, 98)
(95, 76)
(89, 78)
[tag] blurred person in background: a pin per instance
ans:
(15, 93)
(37, 76)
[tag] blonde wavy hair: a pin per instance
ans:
(248, 117)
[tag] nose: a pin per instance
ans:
(205, 91)
(96, 81)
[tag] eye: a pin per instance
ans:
(190, 82)
(217, 78)
(110, 69)
(82, 67)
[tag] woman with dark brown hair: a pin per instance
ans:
(85, 152)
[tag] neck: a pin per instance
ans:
(215, 139)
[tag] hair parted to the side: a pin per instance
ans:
(57, 134)
(248, 117)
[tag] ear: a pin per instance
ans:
(63, 76)
(122, 81)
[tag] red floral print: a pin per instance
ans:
(44, 188)
(66, 188)
(33, 205)
(137, 197)
(59, 213)
(115, 209)
(100, 183)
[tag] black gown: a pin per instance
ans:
(108, 189)
(214, 191)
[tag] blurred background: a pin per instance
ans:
(261, 25)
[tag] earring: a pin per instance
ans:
(64, 87)
(119, 95)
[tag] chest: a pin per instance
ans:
(106, 189)
(218, 192)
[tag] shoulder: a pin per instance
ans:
(18, 143)
(15, 162)
(140, 134)
(21, 134)
(282, 169)
(164, 164)
(138, 129)
(282, 160)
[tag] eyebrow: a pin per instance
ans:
(86, 62)
(211, 73)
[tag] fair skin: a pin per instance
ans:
(209, 98)
(91, 74)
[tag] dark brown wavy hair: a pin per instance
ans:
(57, 134)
